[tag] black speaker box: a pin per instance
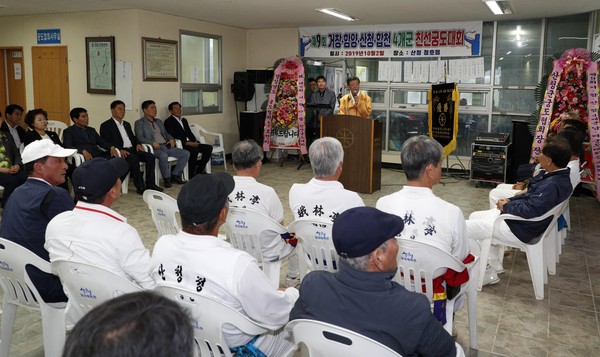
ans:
(252, 126)
(243, 88)
(520, 150)
(488, 163)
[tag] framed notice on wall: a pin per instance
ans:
(100, 64)
(159, 59)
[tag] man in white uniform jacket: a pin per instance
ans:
(323, 197)
(427, 218)
(197, 260)
(249, 193)
(92, 232)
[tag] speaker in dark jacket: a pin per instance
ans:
(243, 88)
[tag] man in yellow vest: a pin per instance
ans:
(356, 102)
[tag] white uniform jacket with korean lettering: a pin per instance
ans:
(213, 268)
(324, 200)
(428, 218)
(248, 193)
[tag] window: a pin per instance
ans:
(201, 82)
(567, 32)
(518, 52)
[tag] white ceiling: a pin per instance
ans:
(264, 14)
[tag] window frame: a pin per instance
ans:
(200, 88)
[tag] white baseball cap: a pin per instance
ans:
(42, 148)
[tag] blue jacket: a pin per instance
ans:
(543, 193)
(26, 215)
(375, 306)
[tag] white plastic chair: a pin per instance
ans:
(316, 244)
(199, 132)
(89, 286)
(323, 340)
(208, 318)
(20, 291)
(562, 235)
(244, 227)
(541, 256)
(58, 127)
(164, 211)
(172, 162)
(421, 262)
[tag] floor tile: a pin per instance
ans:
(510, 321)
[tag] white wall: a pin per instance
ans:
(267, 46)
(128, 27)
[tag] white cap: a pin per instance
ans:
(42, 148)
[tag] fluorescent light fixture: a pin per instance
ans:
(500, 59)
(499, 7)
(338, 14)
(509, 52)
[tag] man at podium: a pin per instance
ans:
(356, 102)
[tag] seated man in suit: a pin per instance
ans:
(179, 128)
(13, 125)
(362, 296)
(86, 139)
(151, 130)
(117, 132)
(323, 197)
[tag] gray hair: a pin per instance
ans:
(326, 154)
(362, 263)
(246, 154)
(417, 153)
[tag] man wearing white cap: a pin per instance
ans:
(33, 204)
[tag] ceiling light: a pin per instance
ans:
(509, 52)
(499, 7)
(338, 14)
(501, 58)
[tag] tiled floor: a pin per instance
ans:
(510, 321)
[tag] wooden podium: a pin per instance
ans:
(361, 140)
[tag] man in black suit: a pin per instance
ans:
(13, 125)
(84, 138)
(117, 132)
(179, 128)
